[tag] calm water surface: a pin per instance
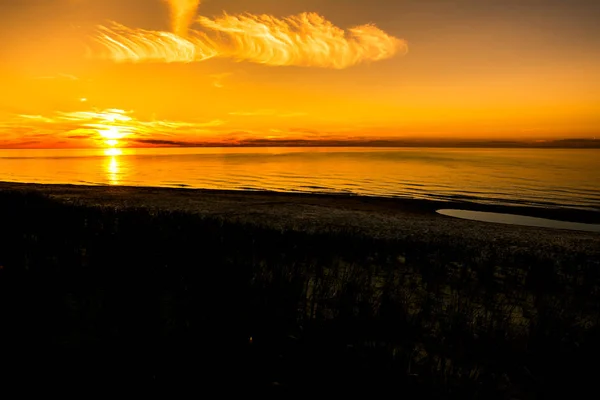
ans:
(567, 178)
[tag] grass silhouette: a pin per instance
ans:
(136, 295)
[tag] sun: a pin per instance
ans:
(112, 134)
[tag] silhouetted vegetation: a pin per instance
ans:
(141, 295)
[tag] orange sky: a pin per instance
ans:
(359, 69)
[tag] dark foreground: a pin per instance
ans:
(267, 292)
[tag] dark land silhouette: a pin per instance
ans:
(292, 293)
(572, 143)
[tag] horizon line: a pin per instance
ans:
(566, 143)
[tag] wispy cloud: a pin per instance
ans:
(182, 14)
(67, 77)
(219, 78)
(95, 126)
(306, 39)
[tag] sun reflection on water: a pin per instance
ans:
(113, 152)
(112, 165)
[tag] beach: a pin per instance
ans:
(376, 217)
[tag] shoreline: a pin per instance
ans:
(376, 217)
(403, 204)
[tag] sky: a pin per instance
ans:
(113, 73)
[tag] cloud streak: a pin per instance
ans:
(307, 40)
(182, 14)
(121, 44)
(97, 127)
(218, 79)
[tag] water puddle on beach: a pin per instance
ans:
(513, 219)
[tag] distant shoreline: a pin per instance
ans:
(558, 144)
(399, 204)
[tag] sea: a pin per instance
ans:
(564, 178)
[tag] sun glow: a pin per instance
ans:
(113, 152)
(112, 134)
(108, 128)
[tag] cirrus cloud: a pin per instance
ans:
(307, 40)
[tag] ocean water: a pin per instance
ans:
(535, 177)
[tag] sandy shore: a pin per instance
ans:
(383, 218)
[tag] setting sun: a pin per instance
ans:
(111, 134)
